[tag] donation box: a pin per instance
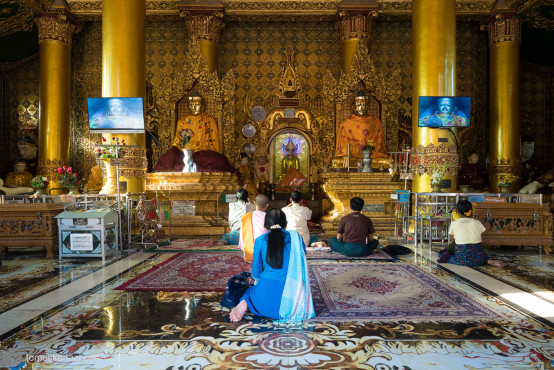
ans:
(91, 233)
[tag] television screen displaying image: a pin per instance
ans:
(444, 111)
(123, 115)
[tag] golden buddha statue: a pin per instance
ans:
(290, 159)
(20, 177)
(197, 131)
(357, 130)
(246, 175)
(94, 182)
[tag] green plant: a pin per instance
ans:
(438, 174)
(508, 180)
(39, 181)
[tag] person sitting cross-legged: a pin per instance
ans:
(237, 209)
(298, 216)
(282, 291)
(252, 226)
(355, 233)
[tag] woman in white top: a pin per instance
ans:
(298, 216)
(466, 232)
(237, 209)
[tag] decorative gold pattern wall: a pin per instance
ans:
(256, 52)
(21, 97)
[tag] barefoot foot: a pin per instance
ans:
(237, 313)
(496, 263)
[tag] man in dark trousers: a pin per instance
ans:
(355, 233)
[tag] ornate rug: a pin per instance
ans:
(187, 245)
(190, 272)
(389, 293)
(328, 254)
(529, 272)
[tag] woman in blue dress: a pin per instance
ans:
(282, 291)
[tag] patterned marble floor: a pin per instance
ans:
(104, 328)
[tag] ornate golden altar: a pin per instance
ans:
(29, 225)
(374, 188)
(205, 213)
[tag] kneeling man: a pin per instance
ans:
(355, 233)
(252, 226)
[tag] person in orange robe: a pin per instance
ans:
(197, 131)
(252, 226)
(358, 129)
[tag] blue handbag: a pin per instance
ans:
(236, 286)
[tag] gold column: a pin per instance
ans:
(124, 73)
(354, 28)
(55, 33)
(504, 42)
(434, 74)
(207, 29)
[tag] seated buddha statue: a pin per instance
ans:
(94, 181)
(357, 130)
(290, 159)
(20, 177)
(246, 175)
(198, 130)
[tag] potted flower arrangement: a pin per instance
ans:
(369, 145)
(39, 183)
(186, 134)
(70, 180)
(436, 177)
(367, 149)
(110, 151)
(507, 181)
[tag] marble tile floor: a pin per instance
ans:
(91, 326)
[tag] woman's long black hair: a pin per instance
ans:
(276, 237)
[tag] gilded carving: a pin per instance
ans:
(505, 30)
(49, 168)
(57, 25)
(204, 27)
(355, 27)
(427, 158)
(498, 167)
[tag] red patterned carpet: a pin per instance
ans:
(389, 293)
(190, 272)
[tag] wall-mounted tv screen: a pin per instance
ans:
(123, 115)
(444, 111)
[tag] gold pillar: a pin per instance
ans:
(207, 30)
(504, 43)
(124, 74)
(434, 74)
(55, 33)
(353, 28)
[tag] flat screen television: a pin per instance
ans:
(120, 115)
(444, 111)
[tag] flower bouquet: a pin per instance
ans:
(68, 178)
(437, 174)
(508, 180)
(39, 181)
(186, 135)
(369, 145)
(110, 151)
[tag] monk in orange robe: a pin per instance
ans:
(252, 226)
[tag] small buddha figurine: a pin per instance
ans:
(20, 177)
(357, 130)
(27, 149)
(94, 182)
(472, 173)
(246, 175)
